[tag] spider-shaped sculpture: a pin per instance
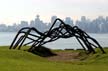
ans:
(55, 32)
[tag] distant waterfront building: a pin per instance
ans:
(106, 24)
(69, 21)
(3, 28)
(83, 18)
(101, 19)
(15, 27)
(38, 24)
(82, 23)
(32, 23)
(53, 18)
(106, 19)
(37, 19)
(24, 24)
(77, 22)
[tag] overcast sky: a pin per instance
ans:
(16, 10)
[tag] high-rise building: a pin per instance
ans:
(69, 21)
(38, 24)
(83, 18)
(106, 19)
(32, 23)
(53, 18)
(24, 24)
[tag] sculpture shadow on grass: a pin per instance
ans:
(42, 51)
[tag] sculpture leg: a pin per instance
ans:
(99, 46)
(81, 43)
(14, 40)
(18, 42)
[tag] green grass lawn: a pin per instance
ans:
(19, 60)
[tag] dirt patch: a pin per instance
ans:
(65, 56)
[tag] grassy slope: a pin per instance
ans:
(18, 60)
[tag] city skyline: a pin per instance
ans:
(52, 18)
(13, 11)
(97, 25)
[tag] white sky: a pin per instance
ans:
(12, 11)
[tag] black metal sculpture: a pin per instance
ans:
(54, 33)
